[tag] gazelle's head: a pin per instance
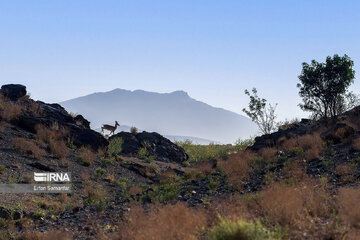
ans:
(116, 123)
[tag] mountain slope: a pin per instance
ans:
(167, 113)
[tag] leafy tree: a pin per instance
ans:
(323, 86)
(260, 112)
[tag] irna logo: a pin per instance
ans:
(52, 177)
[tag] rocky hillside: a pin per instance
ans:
(301, 182)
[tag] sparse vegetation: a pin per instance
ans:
(134, 130)
(86, 156)
(115, 146)
(198, 153)
(261, 113)
(145, 153)
(240, 229)
(28, 147)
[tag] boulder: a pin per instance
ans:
(130, 144)
(55, 114)
(158, 146)
(80, 120)
(13, 91)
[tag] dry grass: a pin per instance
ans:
(11, 111)
(110, 178)
(87, 155)
(349, 209)
(237, 167)
(133, 190)
(269, 154)
(346, 172)
(95, 192)
(134, 130)
(50, 235)
(205, 167)
(311, 144)
(28, 147)
(288, 123)
(85, 176)
(356, 143)
(294, 205)
(46, 134)
(58, 148)
(65, 162)
(175, 222)
(294, 171)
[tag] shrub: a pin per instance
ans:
(293, 205)
(95, 195)
(134, 130)
(123, 183)
(237, 167)
(349, 209)
(2, 169)
(86, 156)
(11, 111)
(106, 162)
(58, 148)
(288, 124)
(240, 229)
(145, 154)
(269, 154)
(46, 134)
(37, 235)
(115, 146)
(311, 145)
(100, 172)
(175, 222)
(28, 147)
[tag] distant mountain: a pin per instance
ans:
(173, 113)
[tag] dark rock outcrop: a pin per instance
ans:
(13, 91)
(158, 146)
(80, 120)
(54, 114)
(270, 140)
(337, 133)
(5, 213)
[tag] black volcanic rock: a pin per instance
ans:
(54, 114)
(13, 91)
(162, 148)
(80, 119)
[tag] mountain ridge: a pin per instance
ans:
(174, 113)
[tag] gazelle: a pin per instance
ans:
(110, 128)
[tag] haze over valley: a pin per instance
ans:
(175, 114)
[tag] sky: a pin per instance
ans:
(213, 50)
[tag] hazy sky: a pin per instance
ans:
(211, 49)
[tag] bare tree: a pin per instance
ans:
(260, 112)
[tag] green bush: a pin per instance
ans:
(240, 229)
(123, 183)
(106, 162)
(115, 146)
(145, 154)
(2, 169)
(100, 172)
